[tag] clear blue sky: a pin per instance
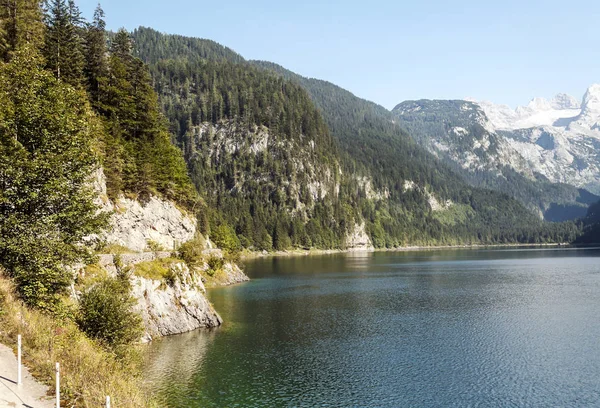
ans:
(388, 51)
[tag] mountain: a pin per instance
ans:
(461, 134)
(559, 139)
(296, 162)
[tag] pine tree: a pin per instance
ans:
(95, 66)
(20, 23)
(63, 47)
(122, 45)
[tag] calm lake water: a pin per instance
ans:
(464, 328)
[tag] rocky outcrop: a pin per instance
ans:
(172, 305)
(229, 274)
(134, 225)
(175, 307)
(358, 240)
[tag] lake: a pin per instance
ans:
(448, 328)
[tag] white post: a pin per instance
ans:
(107, 401)
(19, 382)
(57, 385)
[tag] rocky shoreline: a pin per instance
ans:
(247, 255)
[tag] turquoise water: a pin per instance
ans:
(464, 328)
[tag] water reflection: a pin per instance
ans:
(173, 361)
(434, 328)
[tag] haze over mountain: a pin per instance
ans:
(546, 154)
(559, 138)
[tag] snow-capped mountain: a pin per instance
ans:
(559, 138)
(547, 154)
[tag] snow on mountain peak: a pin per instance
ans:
(560, 111)
(564, 101)
(589, 118)
(539, 104)
(591, 99)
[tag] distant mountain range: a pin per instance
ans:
(546, 154)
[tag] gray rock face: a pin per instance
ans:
(358, 240)
(134, 225)
(160, 221)
(174, 308)
(542, 166)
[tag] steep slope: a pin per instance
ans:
(373, 144)
(257, 149)
(380, 175)
(460, 133)
(559, 139)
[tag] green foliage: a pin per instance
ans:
(20, 24)
(46, 162)
(138, 155)
(262, 193)
(63, 49)
(154, 246)
(374, 145)
(159, 269)
(215, 264)
(225, 238)
(192, 251)
(105, 313)
(591, 229)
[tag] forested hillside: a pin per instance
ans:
(370, 136)
(386, 179)
(591, 231)
(257, 149)
(72, 103)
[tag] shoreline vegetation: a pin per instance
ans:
(248, 255)
(89, 372)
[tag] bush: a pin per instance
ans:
(89, 372)
(191, 251)
(215, 263)
(105, 314)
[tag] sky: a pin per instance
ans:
(389, 51)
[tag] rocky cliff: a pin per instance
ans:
(174, 303)
(358, 239)
(173, 307)
(135, 225)
(531, 165)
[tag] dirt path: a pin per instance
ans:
(30, 394)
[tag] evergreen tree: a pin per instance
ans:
(63, 47)
(95, 66)
(20, 23)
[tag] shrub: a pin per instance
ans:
(154, 246)
(215, 263)
(47, 339)
(158, 269)
(191, 251)
(105, 314)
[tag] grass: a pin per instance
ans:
(92, 274)
(159, 269)
(115, 249)
(88, 372)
